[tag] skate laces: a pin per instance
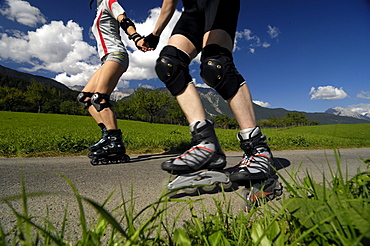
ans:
(256, 160)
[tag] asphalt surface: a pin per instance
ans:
(141, 181)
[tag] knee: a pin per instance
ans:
(100, 101)
(172, 68)
(218, 70)
(84, 98)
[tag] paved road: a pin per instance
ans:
(143, 174)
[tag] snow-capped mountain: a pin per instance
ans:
(347, 112)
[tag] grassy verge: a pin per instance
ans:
(310, 213)
(34, 135)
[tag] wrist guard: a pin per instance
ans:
(126, 23)
(133, 36)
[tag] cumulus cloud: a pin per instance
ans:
(262, 104)
(327, 93)
(55, 47)
(22, 12)
(60, 48)
(364, 95)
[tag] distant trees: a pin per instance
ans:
(155, 106)
(31, 96)
(291, 119)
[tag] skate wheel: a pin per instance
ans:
(190, 190)
(171, 194)
(94, 162)
(114, 161)
(227, 185)
(279, 190)
(208, 188)
(104, 162)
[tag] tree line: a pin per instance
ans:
(154, 106)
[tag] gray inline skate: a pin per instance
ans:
(113, 152)
(256, 169)
(205, 154)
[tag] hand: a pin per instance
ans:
(140, 44)
(151, 41)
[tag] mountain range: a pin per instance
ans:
(214, 105)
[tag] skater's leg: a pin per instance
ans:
(108, 77)
(257, 160)
(206, 152)
(242, 108)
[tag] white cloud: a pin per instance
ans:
(60, 48)
(327, 92)
(54, 47)
(142, 64)
(262, 104)
(364, 95)
(202, 85)
(254, 40)
(22, 12)
(273, 31)
(362, 108)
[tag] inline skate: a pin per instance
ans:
(103, 141)
(256, 169)
(205, 154)
(113, 152)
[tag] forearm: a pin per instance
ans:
(130, 29)
(167, 11)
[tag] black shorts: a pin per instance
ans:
(201, 16)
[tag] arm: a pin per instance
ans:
(167, 10)
(129, 27)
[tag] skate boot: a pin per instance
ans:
(205, 153)
(255, 170)
(257, 160)
(114, 152)
(103, 141)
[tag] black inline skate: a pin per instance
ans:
(103, 141)
(256, 169)
(205, 154)
(113, 152)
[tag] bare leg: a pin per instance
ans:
(241, 103)
(189, 99)
(242, 107)
(104, 81)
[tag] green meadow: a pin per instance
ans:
(331, 211)
(35, 135)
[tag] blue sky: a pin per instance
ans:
(305, 55)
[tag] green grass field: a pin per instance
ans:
(310, 212)
(34, 135)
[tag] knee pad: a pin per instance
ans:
(172, 68)
(217, 69)
(81, 98)
(96, 101)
